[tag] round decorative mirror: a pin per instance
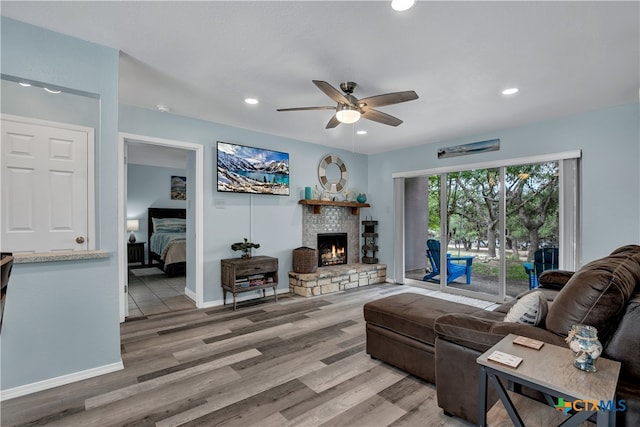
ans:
(332, 173)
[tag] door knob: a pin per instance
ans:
(79, 240)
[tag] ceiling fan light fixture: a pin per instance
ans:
(402, 5)
(347, 114)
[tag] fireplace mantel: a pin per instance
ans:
(355, 206)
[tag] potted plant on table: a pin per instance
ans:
(245, 247)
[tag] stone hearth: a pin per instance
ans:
(336, 278)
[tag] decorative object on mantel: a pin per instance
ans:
(361, 198)
(369, 235)
(355, 206)
(245, 247)
(332, 173)
(308, 193)
(583, 342)
(472, 148)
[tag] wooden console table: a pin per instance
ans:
(249, 274)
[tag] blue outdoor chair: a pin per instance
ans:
(454, 270)
(543, 259)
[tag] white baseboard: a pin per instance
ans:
(248, 295)
(23, 390)
(190, 294)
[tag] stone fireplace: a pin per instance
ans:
(332, 220)
(332, 249)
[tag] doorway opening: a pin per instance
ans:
(150, 285)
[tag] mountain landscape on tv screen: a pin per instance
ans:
(252, 170)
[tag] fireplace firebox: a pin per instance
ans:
(332, 249)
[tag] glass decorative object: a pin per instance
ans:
(583, 342)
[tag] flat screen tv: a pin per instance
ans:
(243, 169)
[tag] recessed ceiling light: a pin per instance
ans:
(510, 91)
(52, 90)
(24, 84)
(402, 5)
(361, 132)
(251, 101)
(163, 108)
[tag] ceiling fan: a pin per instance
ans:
(350, 108)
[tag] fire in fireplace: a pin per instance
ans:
(332, 249)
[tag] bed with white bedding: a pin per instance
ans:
(167, 239)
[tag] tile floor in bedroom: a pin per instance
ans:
(153, 292)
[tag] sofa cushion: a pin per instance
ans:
(411, 314)
(597, 294)
(554, 279)
(529, 310)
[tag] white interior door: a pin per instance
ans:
(45, 176)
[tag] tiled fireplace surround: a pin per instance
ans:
(334, 219)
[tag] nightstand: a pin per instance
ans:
(135, 252)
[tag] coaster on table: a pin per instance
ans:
(505, 359)
(528, 342)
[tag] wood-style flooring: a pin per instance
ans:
(297, 362)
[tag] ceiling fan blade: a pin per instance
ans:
(388, 99)
(331, 92)
(333, 122)
(380, 117)
(307, 108)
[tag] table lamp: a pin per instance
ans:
(133, 225)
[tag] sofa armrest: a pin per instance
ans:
(467, 330)
(505, 328)
(554, 279)
(481, 334)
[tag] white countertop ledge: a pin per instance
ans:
(59, 256)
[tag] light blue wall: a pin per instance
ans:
(62, 318)
(63, 107)
(273, 221)
(149, 187)
(610, 198)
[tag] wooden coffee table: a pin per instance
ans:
(549, 370)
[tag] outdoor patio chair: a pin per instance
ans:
(454, 269)
(543, 259)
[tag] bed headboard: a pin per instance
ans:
(164, 213)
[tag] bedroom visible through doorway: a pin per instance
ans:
(156, 274)
(157, 256)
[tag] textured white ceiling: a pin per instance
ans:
(203, 58)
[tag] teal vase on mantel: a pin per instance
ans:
(361, 198)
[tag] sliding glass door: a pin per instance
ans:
(482, 231)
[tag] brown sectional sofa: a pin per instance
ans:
(427, 336)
